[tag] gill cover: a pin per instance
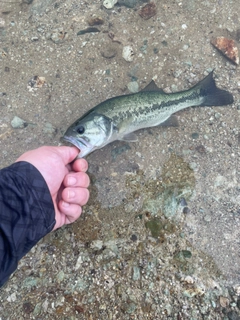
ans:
(90, 132)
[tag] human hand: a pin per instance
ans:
(67, 182)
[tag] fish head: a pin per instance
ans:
(90, 132)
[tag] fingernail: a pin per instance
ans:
(65, 204)
(71, 194)
(71, 181)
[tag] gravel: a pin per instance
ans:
(139, 251)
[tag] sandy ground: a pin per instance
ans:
(138, 251)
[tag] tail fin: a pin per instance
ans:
(213, 96)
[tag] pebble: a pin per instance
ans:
(49, 128)
(148, 11)
(37, 309)
(127, 3)
(109, 51)
(30, 282)
(227, 47)
(2, 23)
(217, 115)
(208, 218)
(60, 276)
(177, 73)
(224, 302)
(195, 135)
(12, 297)
(58, 35)
(219, 181)
(193, 165)
(236, 288)
(97, 244)
(88, 30)
(186, 210)
(188, 279)
(133, 86)
(136, 273)
(18, 123)
(109, 4)
(127, 53)
(95, 21)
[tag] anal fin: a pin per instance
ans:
(172, 121)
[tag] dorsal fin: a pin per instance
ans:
(152, 87)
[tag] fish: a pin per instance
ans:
(119, 117)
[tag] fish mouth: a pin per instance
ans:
(83, 146)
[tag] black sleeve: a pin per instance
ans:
(26, 214)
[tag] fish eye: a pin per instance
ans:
(81, 129)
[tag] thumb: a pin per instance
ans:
(68, 154)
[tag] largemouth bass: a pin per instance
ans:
(117, 118)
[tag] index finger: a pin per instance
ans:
(80, 165)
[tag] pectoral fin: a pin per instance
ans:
(130, 137)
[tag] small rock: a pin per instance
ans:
(28, 307)
(49, 128)
(133, 237)
(188, 279)
(238, 304)
(97, 245)
(131, 307)
(12, 297)
(133, 86)
(109, 51)
(201, 149)
(2, 23)
(236, 289)
(136, 273)
(186, 210)
(109, 4)
(193, 165)
(95, 21)
(18, 123)
(60, 276)
(58, 35)
(227, 47)
(195, 135)
(148, 11)
(127, 3)
(27, 1)
(195, 291)
(30, 282)
(88, 30)
(219, 181)
(35, 82)
(45, 305)
(224, 302)
(233, 315)
(207, 218)
(127, 53)
(81, 285)
(217, 115)
(183, 202)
